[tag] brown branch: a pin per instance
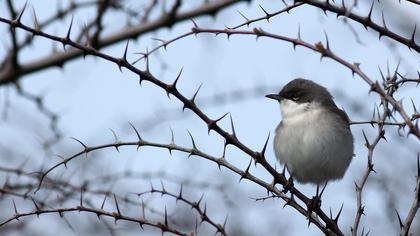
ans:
(171, 89)
(369, 168)
(220, 161)
(58, 59)
(99, 212)
(405, 227)
(325, 51)
(194, 205)
(268, 15)
(366, 22)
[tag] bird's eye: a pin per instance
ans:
(295, 98)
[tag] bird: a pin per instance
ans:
(313, 140)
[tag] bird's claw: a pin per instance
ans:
(289, 186)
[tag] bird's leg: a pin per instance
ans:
(289, 185)
(315, 202)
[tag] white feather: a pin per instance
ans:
(312, 142)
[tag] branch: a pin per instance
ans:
(99, 212)
(58, 59)
(171, 89)
(366, 22)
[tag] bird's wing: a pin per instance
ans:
(342, 114)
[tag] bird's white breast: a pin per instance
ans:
(314, 144)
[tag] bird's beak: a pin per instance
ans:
(273, 96)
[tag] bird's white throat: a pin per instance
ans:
(293, 111)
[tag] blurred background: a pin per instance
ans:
(90, 99)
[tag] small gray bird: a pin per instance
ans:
(313, 140)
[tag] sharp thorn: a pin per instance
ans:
(116, 205)
(166, 217)
(137, 132)
(265, 12)
(103, 203)
(399, 219)
(192, 140)
(125, 51)
(19, 18)
(232, 126)
(366, 139)
(116, 142)
(80, 142)
(14, 207)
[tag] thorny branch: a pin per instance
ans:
(325, 51)
(366, 21)
(258, 157)
(58, 59)
(12, 71)
(162, 226)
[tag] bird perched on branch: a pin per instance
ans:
(313, 140)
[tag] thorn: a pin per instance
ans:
(172, 136)
(164, 43)
(244, 18)
(80, 143)
(369, 16)
(413, 35)
(36, 205)
(163, 187)
(339, 213)
(266, 13)
(166, 217)
(199, 200)
(146, 57)
(116, 143)
(36, 22)
(194, 23)
(382, 135)
(327, 41)
(103, 203)
(143, 211)
(246, 170)
(180, 193)
(225, 221)
(69, 29)
(383, 21)
(19, 18)
(414, 106)
(195, 94)
(81, 197)
(177, 78)
(399, 219)
(116, 205)
(213, 123)
(192, 140)
(125, 51)
(366, 139)
(394, 77)
(382, 74)
(15, 208)
(138, 135)
(224, 151)
(264, 148)
(232, 126)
